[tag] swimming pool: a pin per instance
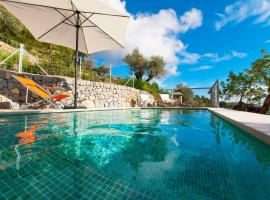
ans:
(130, 154)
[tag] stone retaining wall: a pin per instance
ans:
(90, 94)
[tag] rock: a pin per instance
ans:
(5, 105)
(82, 96)
(22, 90)
(11, 85)
(15, 98)
(2, 74)
(15, 91)
(15, 105)
(91, 98)
(8, 76)
(3, 83)
(36, 78)
(22, 98)
(88, 104)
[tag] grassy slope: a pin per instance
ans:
(13, 32)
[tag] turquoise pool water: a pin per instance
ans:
(139, 154)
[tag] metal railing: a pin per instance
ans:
(202, 96)
(21, 51)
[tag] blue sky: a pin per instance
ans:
(212, 38)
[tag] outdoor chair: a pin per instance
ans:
(44, 94)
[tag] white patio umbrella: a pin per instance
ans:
(87, 26)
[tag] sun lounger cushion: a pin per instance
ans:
(60, 97)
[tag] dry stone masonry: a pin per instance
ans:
(91, 94)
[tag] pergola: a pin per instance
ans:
(177, 96)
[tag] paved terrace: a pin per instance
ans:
(256, 124)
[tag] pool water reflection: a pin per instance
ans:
(136, 154)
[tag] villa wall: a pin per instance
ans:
(91, 94)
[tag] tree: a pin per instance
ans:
(241, 85)
(201, 100)
(102, 70)
(137, 63)
(260, 71)
(253, 84)
(155, 68)
(187, 93)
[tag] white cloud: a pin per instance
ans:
(239, 54)
(189, 58)
(267, 41)
(117, 4)
(172, 70)
(243, 9)
(157, 34)
(201, 68)
(191, 20)
(194, 58)
(215, 57)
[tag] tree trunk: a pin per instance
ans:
(149, 78)
(266, 105)
(139, 76)
(241, 99)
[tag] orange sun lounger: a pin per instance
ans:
(39, 91)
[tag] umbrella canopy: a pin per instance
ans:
(87, 26)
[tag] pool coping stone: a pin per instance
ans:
(255, 124)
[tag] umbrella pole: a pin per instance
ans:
(76, 57)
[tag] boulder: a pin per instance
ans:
(15, 98)
(36, 78)
(12, 84)
(22, 98)
(7, 75)
(5, 105)
(88, 104)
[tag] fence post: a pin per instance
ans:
(21, 58)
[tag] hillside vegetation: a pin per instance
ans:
(13, 32)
